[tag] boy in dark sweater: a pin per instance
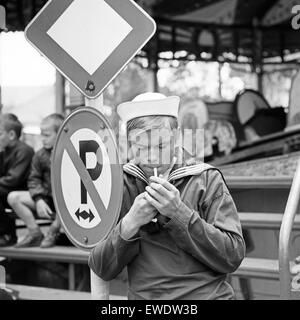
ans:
(38, 199)
(179, 233)
(15, 160)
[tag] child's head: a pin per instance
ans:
(152, 141)
(10, 129)
(151, 130)
(49, 128)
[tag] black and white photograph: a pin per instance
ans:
(149, 154)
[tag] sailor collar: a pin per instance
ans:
(191, 170)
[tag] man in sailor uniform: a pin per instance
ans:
(179, 233)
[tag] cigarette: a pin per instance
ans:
(155, 172)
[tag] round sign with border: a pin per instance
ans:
(86, 177)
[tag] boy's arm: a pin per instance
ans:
(219, 245)
(113, 253)
(35, 179)
(17, 173)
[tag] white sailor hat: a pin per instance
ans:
(149, 104)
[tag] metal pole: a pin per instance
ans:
(0, 69)
(71, 274)
(95, 103)
(258, 54)
(99, 287)
(60, 93)
(285, 234)
(260, 73)
(220, 79)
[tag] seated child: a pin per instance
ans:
(15, 160)
(38, 199)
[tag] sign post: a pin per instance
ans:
(99, 287)
(3, 19)
(89, 42)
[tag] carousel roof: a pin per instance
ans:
(219, 30)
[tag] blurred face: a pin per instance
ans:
(153, 149)
(5, 137)
(48, 135)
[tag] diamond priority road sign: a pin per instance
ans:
(90, 41)
(86, 177)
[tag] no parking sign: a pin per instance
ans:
(87, 177)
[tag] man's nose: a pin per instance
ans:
(154, 157)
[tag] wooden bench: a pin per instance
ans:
(260, 268)
(55, 254)
(69, 255)
(267, 182)
(265, 220)
(41, 222)
(21, 224)
(40, 293)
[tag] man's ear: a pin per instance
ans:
(130, 155)
(12, 135)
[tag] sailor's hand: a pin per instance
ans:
(163, 196)
(141, 213)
